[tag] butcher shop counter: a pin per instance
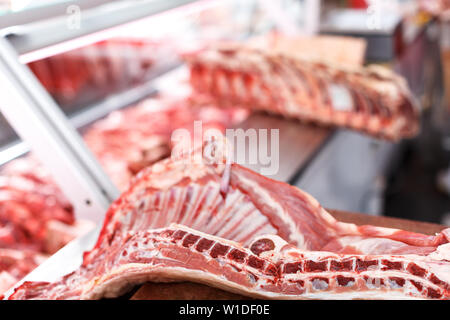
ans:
(195, 291)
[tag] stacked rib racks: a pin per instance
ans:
(370, 99)
(256, 237)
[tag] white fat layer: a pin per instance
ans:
(115, 284)
(211, 200)
(442, 253)
(371, 245)
(341, 98)
(276, 254)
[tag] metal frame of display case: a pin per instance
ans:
(72, 30)
(38, 120)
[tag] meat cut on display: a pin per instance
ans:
(259, 237)
(36, 220)
(34, 214)
(29, 200)
(370, 99)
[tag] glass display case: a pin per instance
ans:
(89, 78)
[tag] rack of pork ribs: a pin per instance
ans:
(220, 224)
(371, 99)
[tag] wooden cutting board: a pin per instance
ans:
(195, 291)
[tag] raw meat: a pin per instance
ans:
(271, 268)
(104, 66)
(35, 215)
(35, 220)
(131, 139)
(15, 264)
(28, 201)
(372, 99)
(131, 249)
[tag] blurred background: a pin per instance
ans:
(107, 63)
